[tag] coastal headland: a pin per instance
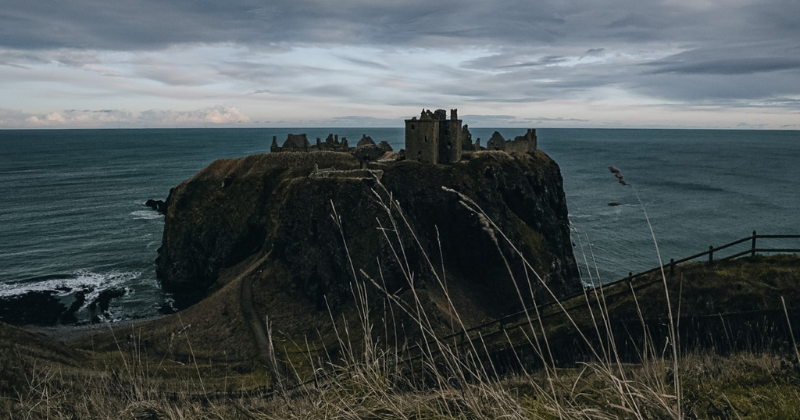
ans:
(322, 279)
(301, 229)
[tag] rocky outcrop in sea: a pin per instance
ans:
(278, 210)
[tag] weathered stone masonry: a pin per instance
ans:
(431, 138)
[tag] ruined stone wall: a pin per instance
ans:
(497, 142)
(421, 140)
(526, 143)
(450, 140)
(521, 146)
(296, 142)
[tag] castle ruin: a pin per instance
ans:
(434, 139)
(431, 138)
(300, 143)
(521, 144)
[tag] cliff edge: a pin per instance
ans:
(271, 219)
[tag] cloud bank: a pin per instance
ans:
(587, 63)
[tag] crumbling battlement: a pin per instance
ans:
(300, 143)
(434, 139)
(522, 144)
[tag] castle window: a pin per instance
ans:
(426, 139)
(412, 126)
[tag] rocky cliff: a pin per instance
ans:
(275, 214)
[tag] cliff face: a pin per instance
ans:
(267, 208)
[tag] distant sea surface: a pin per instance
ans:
(72, 213)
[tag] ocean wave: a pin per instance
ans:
(146, 215)
(62, 285)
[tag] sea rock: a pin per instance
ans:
(34, 308)
(278, 215)
(157, 205)
(100, 306)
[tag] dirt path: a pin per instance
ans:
(266, 351)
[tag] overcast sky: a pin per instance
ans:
(295, 63)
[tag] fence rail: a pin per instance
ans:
(511, 321)
(752, 251)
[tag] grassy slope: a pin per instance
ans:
(128, 375)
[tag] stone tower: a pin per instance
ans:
(422, 137)
(433, 138)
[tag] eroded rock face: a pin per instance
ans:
(270, 207)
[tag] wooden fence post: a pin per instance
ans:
(753, 246)
(671, 267)
(711, 254)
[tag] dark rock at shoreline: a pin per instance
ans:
(101, 305)
(157, 205)
(49, 307)
(276, 212)
(69, 317)
(32, 308)
(613, 203)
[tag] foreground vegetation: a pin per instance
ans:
(755, 374)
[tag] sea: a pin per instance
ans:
(72, 214)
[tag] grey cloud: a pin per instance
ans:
(544, 61)
(145, 24)
(731, 53)
(482, 120)
(731, 62)
(727, 90)
(332, 90)
(732, 66)
(365, 63)
(360, 121)
(12, 117)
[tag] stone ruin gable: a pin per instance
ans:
(332, 144)
(521, 144)
(433, 138)
(365, 141)
(466, 139)
(274, 148)
(296, 142)
(385, 146)
(300, 143)
(497, 142)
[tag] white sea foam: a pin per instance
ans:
(81, 279)
(146, 215)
